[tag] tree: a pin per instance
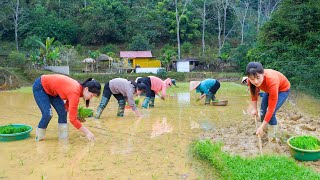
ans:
(14, 14)
(178, 20)
(289, 42)
(221, 9)
(265, 10)
(240, 9)
(168, 55)
(139, 43)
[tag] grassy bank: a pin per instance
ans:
(261, 167)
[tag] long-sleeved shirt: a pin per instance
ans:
(124, 87)
(158, 85)
(273, 83)
(205, 86)
(67, 89)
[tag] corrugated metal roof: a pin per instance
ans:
(135, 54)
(187, 59)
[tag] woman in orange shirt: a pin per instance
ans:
(52, 90)
(276, 87)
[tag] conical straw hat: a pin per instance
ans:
(194, 85)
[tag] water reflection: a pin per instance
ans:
(202, 124)
(126, 144)
(125, 148)
(183, 98)
(161, 127)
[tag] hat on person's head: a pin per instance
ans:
(168, 82)
(244, 80)
(173, 81)
(194, 85)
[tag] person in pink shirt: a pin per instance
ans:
(153, 86)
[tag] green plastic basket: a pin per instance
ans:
(302, 154)
(16, 136)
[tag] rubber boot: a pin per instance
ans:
(40, 134)
(103, 103)
(63, 130)
(151, 103)
(272, 133)
(121, 103)
(145, 102)
(208, 98)
(213, 98)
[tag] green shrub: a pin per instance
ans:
(162, 73)
(16, 59)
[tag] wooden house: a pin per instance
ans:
(142, 59)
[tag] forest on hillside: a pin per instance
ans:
(282, 34)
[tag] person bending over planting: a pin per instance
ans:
(52, 90)
(207, 87)
(276, 87)
(123, 90)
(153, 86)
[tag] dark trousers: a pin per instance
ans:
(215, 87)
(147, 82)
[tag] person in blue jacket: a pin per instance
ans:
(207, 87)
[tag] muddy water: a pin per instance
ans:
(152, 147)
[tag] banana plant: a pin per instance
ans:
(48, 53)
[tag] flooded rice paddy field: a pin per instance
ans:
(152, 147)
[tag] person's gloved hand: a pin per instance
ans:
(90, 136)
(88, 133)
(198, 99)
(252, 111)
(260, 131)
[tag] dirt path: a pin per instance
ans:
(240, 139)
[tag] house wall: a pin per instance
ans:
(147, 70)
(183, 66)
(145, 63)
(58, 69)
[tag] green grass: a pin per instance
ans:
(305, 142)
(260, 167)
(23, 90)
(181, 87)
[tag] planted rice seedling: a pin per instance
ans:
(10, 129)
(305, 142)
(84, 113)
(261, 167)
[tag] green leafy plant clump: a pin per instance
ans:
(136, 101)
(84, 112)
(305, 142)
(261, 167)
(10, 129)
